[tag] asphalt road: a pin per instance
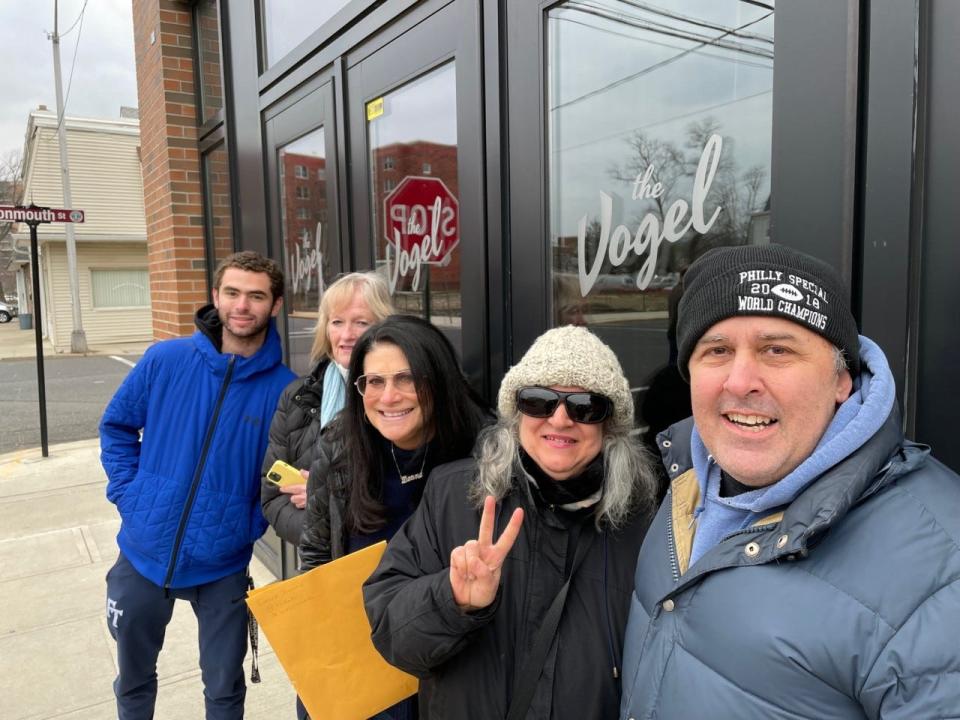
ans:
(78, 389)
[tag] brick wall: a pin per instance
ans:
(163, 41)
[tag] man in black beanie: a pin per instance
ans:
(806, 560)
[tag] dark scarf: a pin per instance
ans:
(564, 492)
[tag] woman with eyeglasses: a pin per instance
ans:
(347, 308)
(507, 592)
(410, 410)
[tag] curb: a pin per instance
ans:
(34, 454)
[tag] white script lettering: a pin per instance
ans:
(303, 263)
(428, 249)
(618, 246)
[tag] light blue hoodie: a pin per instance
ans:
(855, 422)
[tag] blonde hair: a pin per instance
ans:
(373, 291)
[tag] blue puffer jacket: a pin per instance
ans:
(844, 605)
(189, 493)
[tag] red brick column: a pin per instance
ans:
(170, 162)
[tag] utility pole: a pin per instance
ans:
(78, 338)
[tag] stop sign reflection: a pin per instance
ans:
(422, 218)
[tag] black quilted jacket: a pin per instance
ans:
(294, 435)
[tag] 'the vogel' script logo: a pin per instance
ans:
(619, 245)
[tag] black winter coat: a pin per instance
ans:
(294, 433)
(468, 663)
(323, 538)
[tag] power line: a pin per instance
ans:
(664, 121)
(79, 18)
(712, 56)
(73, 63)
(656, 66)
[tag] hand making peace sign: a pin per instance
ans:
(475, 565)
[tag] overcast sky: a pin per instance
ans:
(104, 76)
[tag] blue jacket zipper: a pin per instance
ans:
(195, 484)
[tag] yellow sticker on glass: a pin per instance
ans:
(374, 109)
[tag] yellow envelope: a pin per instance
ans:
(317, 626)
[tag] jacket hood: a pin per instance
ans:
(208, 322)
(208, 341)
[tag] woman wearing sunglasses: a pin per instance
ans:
(410, 410)
(507, 592)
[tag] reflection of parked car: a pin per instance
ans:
(664, 281)
(7, 312)
(615, 282)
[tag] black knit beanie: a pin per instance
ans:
(765, 280)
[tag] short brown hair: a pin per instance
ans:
(252, 262)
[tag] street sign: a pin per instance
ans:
(421, 212)
(18, 213)
(34, 216)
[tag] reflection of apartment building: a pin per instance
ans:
(105, 182)
(304, 202)
(304, 222)
(394, 162)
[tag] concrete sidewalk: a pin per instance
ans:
(16, 343)
(57, 659)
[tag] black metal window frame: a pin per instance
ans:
(212, 142)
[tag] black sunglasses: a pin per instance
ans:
(582, 407)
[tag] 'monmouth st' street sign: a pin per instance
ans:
(17, 213)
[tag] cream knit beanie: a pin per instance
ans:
(570, 356)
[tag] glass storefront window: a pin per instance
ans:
(218, 208)
(304, 238)
(415, 215)
(210, 70)
(287, 23)
(659, 143)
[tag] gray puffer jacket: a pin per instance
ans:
(294, 433)
(845, 605)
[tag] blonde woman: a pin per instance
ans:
(348, 307)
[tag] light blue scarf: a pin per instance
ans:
(334, 392)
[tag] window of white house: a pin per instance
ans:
(120, 288)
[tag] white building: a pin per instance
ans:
(106, 183)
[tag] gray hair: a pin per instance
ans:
(840, 360)
(629, 482)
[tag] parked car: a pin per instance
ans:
(7, 312)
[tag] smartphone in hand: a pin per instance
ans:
(280, 474)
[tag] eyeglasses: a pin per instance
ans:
(374, 384)
(582, 407)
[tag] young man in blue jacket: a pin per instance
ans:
(188, 489)
(806, 560)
